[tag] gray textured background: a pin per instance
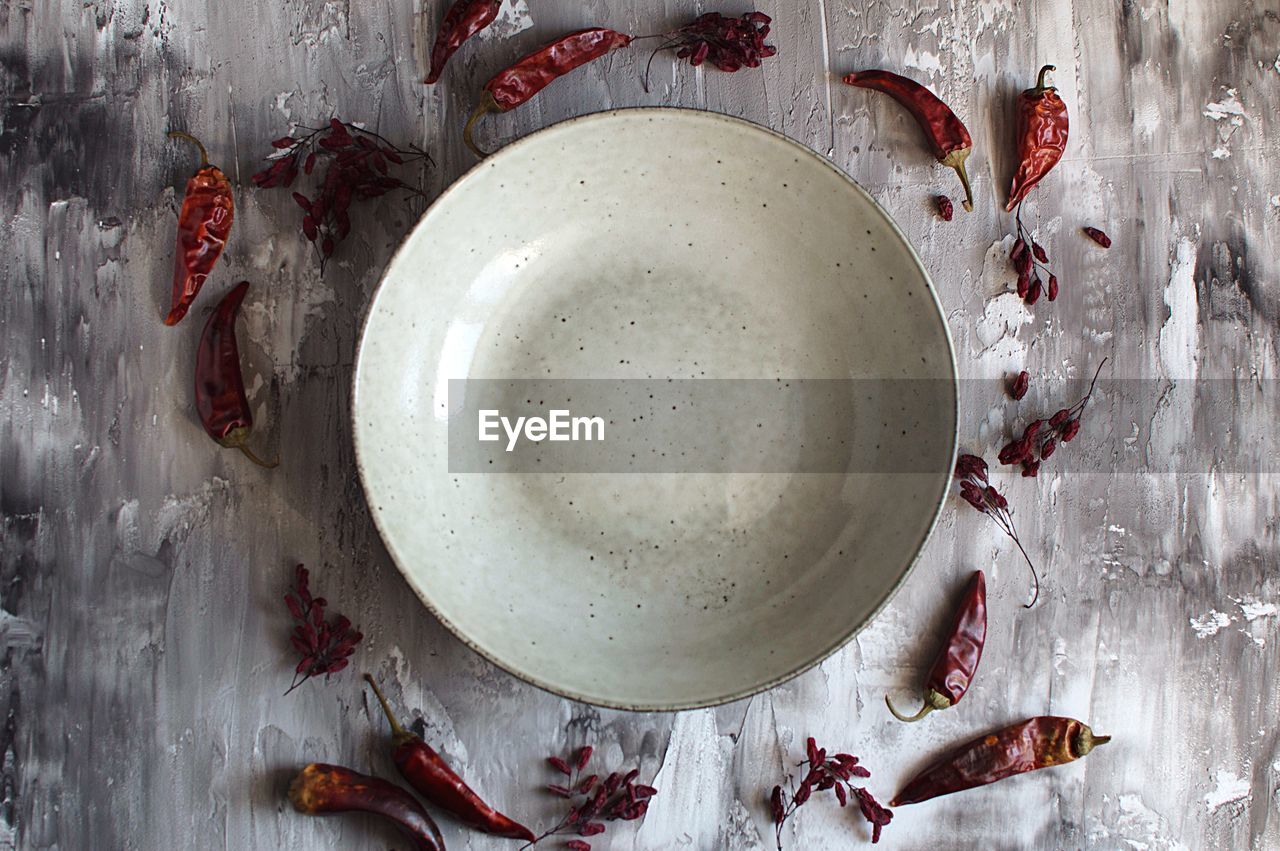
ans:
(141, 567)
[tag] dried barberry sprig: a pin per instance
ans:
(358, 166)
(325, 645)
(976, 490)
(1041, 438)
(593, 801)
(1029, 260)
(729, 44)
(827, 773)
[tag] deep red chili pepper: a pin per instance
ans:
(220, 398)
(204, 224)
(464, 19)
(1042, 136)
(321, 789)
(431, 776)
(957, 659)
(947, 135)
(1029, 745)
(513, 86)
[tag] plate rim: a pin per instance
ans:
(667, 706)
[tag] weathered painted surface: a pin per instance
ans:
(141, 568)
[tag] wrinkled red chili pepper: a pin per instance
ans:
(1029, 745)
(957, 660)
(1042, 136)
(220, 398)
(208, 208)
(431, 776)
(464, 19)
(516, 85)
(321, 789)
(947, 135)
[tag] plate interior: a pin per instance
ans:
(651, 244)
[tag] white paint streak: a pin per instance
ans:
(1210, 624)
(1230, 115)
(1230, 789)
(1180, 335)
(513, 17)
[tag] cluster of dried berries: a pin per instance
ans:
(976, 490)
(727, 43)
(1029, 260)
(1098, 237)
(1020, 385)
(358, 168)
(945, 208)
(325, 645)
(828, 773)
(594, 800)
(1041, 438)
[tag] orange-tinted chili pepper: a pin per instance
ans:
(957, 660)
(431, 776)
(516, 85)
(946, 133)
(464, 19)
(321, 789)
(204, 224)
(220, 397)
(1042, 136)
(1036, 743)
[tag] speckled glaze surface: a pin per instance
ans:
(650, 243)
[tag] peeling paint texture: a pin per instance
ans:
(141, 567)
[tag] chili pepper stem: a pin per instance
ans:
(933, 700)
(924, 710)
(955, 160)
(238, 438)
(486, 105)
(1040, 81)
(1087, 741)
(204, 155)
(397, 732)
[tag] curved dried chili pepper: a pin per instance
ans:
(431, 776)
(1042, 136)
(1036, 743)
(321, 789)
(516, 85)
(220, 398)
(464, 19)
(957, 660)
(204, 224)
(946, 133)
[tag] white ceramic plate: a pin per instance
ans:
(654, 243)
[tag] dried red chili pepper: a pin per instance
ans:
(464, 19)
(957, 660)
(515, 85)
(946, 133)
(220, 399)
(1029, 745)
(1042, 136)
(208, 208)
(431, 776)
(321, 789)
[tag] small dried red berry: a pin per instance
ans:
(1052, 290)
(559, 765)
(1038, 250)
(1020, 385)
(946, 209)
(1098, 237)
